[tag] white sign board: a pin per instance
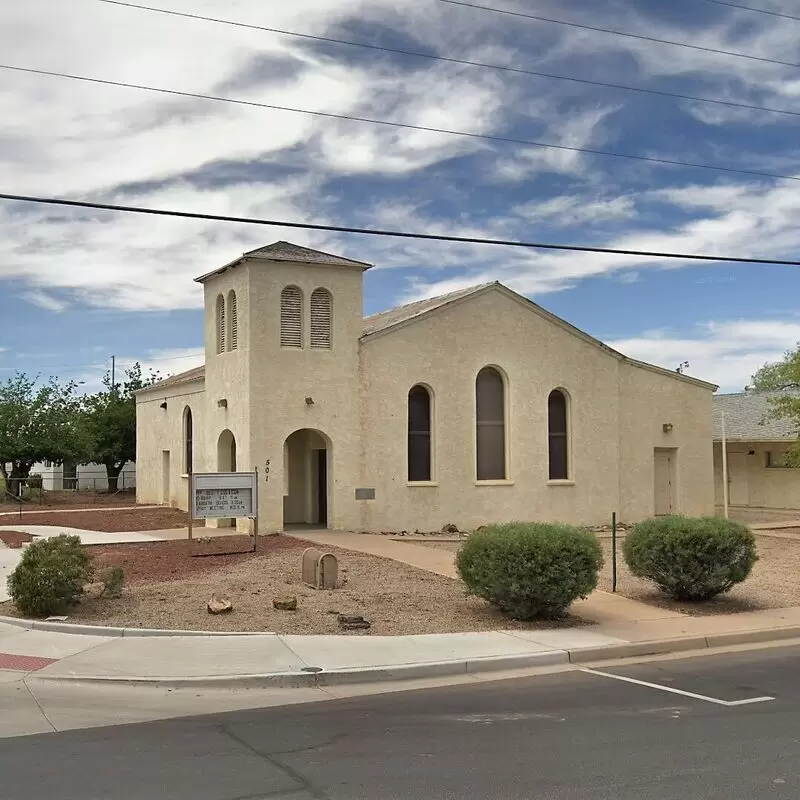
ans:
(224, 494)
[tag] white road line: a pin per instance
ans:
(671, 690)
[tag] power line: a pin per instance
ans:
(751, 8)
(452, 60)
(397, 234)
(613, 32)
(404, 125)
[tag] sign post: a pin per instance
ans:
(224, 495)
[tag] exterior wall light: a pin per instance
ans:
(667, 427)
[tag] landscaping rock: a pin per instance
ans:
(352, 622)
(219, 605)
(449, 527)
(285, 603)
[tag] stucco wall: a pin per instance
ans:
(751, 483)
(615, 416)
(160, 430)
(648, 400)
(282, 378)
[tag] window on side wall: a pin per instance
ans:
(419, 434)
(490, 423)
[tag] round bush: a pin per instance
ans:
(691, 558)
(50, 576)
(530, 569)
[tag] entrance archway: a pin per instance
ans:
(307, 478)
(226, 462)
(226, 452)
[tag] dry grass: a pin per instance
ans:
(36, 499)
(394, 597)
(131, 519)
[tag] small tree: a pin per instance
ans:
(111, 422)
(38, 423)
(775, 377)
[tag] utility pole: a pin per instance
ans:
(113, 371)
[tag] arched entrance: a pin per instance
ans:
(226, 452)
(226, 462)
(307, 478)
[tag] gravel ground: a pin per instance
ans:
(83, 499)
(773, 583)
(134, 519)
(14, 539)
(395, 598)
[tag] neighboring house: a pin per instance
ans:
(471, 407)
(56, 477)
(756, 444)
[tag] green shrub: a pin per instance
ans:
(113, 582)
(691, 558)
(530, 569)
(50, 576)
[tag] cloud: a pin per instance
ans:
(727, 353)
(45, 301)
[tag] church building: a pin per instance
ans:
(467, 408)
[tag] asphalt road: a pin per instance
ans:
(568, 736)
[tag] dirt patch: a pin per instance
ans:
(162, 562)
(133, 519)
(57, 499)
(773, 582)
(15, 539)
(394, 597)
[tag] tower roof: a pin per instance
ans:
(286, 251)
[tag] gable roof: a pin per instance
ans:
(748, 418)
(194, 374)
(286, 251)
(384, 320)
(397, 317)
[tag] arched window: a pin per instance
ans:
(490, 412)
(233, 321)
(419, 434)
(220, 314)
(321, 317)
(291, 317)
(557, 436)
(188, 435)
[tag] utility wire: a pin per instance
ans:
(522, 15)
(751, 8)
(97, 365)
(397, 234)
(452, 60)
(403, 125)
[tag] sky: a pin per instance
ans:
(77, 286)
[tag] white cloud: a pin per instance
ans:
(165, 362)
(45, 301)
(727, 353)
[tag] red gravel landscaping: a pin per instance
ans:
(134, 519)
(155, 562)
(15, 539)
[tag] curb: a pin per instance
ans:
(315, 677)
(100, 630)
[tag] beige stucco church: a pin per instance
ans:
(475, 406)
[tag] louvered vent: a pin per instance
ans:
(321, 308)
(233, 316)
(291, 317)
(220, 324)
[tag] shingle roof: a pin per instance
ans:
(747, 417)
(394, 316)
(196, 373)
(286, 251)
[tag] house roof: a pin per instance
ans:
(286, 251)
(747, 417)
(194, 374)
(395, 316)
